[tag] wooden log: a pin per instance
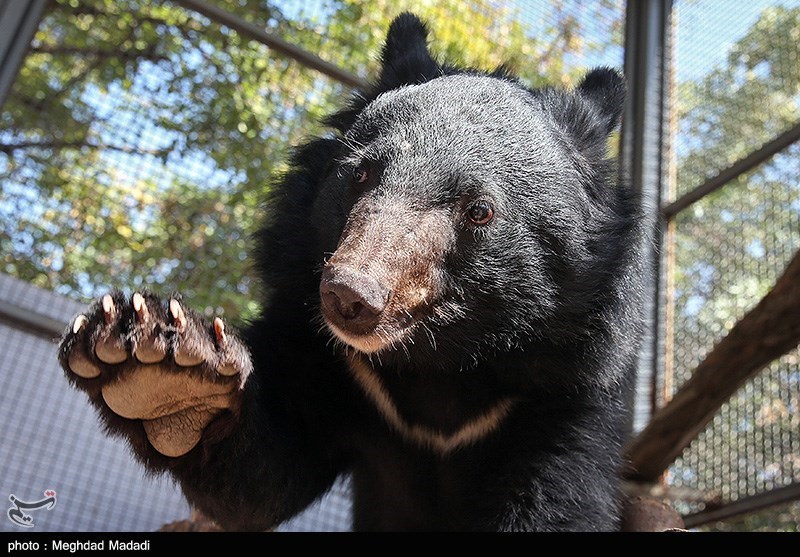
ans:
(768, 331)
(643, 514)
(672, 493)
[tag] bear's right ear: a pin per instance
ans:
(604, 88)
(405, 57)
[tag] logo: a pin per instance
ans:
(17, 514)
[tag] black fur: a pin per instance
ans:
(539, 307)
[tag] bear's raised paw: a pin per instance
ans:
(155, 361)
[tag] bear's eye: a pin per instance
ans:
(480, 212)
(360, 174)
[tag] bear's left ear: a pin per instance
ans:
(405, 57)
(604, 89)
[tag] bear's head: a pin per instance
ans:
(468, 216)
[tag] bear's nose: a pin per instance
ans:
(355, 298)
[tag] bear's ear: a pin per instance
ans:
(604, 89)
(405, 57)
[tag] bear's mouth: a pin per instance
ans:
(381, 338)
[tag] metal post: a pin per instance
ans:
(642, 155)
(18, 23)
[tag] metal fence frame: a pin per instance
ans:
(18, 23)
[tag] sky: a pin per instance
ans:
(706, 29)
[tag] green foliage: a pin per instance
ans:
(139, 137)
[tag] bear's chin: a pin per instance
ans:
(373, 342)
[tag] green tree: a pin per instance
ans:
(139, 137)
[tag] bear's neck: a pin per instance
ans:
(441, 410)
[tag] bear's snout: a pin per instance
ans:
(385, 274)
(352, 299)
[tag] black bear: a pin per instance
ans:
(452, 315)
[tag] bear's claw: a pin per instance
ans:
(78, 363)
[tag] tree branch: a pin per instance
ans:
(10, 148)
(148, 54)
(83, 9)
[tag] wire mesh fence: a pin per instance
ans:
(728, 249)
(52, 439)
(736, 94)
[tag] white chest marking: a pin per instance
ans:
(470, 432)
